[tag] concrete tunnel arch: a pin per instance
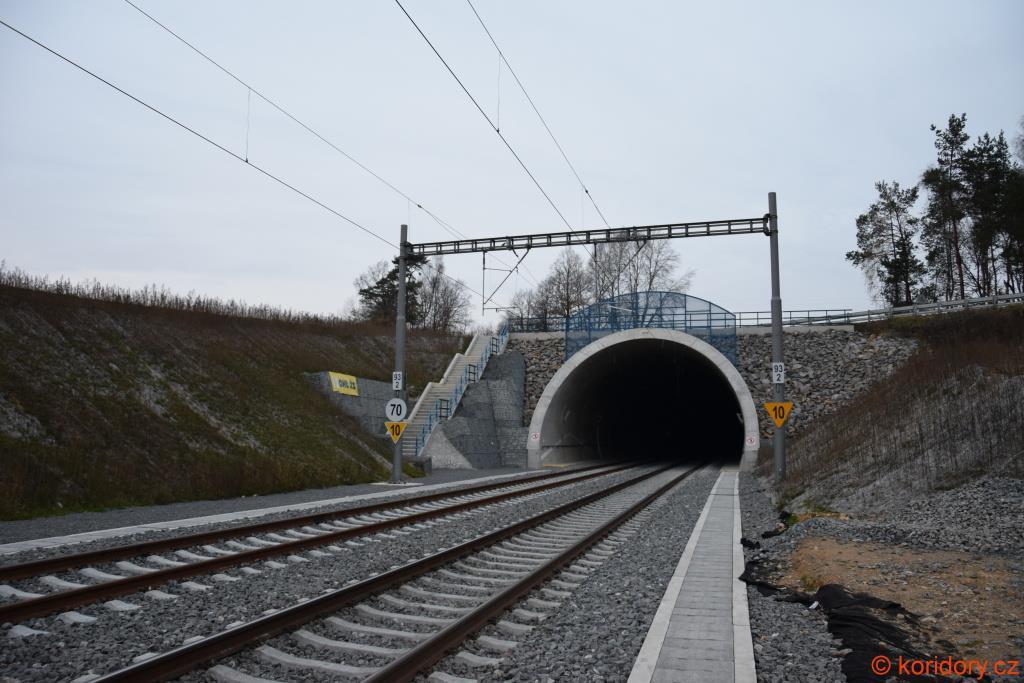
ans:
(645, 393)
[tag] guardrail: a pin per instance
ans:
(934, 308)
(444, 408)
(688, 319)
(795, 317)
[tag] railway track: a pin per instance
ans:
(399, 624)
(127, 569)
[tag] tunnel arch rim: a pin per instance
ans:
(751, 436)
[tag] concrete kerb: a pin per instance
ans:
(536, 449)
(728, 618)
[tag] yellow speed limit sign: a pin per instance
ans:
(395, 430)
(779, 412)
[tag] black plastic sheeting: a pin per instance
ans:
(866, 625)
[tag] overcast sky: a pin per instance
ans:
(670, 111)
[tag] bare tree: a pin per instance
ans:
(568, 283)
(614, 269)
(521, 305)
(638, 267)
(444, 304)
(372, 275)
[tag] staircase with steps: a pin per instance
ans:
(440, 399)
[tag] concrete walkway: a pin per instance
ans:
(379, 492)
(701, 632)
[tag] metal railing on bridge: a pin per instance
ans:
(820, 316)
(665, 310)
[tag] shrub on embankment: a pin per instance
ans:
(106, 404)
(953, 412)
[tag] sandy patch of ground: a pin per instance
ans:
(971, 604)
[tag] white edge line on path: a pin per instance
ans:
(742, 641)
(647, 659)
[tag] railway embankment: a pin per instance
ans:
(910, 500)
(951, 414)
(106, 404)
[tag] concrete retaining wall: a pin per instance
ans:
(826, 367)
(487, 429)
(367, 407)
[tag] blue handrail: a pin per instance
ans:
(470, 373)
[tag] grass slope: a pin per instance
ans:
(953, 412)
(106, 404)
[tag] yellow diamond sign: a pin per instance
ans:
(779, 412)
(395, 430)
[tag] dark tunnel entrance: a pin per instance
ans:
(644, 395)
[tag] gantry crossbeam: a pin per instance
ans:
(733, 226)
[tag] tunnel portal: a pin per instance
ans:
(645, 394)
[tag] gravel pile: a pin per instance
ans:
(791, 642)
(825, 369)
(985, 517)
(69, 650)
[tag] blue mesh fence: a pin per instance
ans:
(667, 310)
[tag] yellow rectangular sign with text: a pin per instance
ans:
(344, 384)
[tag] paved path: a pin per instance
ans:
(150, 518)
(701, 632)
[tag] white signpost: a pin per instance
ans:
(396, 381)
(395, 409)
(778, 373)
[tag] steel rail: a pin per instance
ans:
(76, 597)
(433, 649)
(185, 658)
(23, 570)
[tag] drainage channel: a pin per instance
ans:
(400, 623)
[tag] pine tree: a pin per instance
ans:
(885, 244)
(378, 291)
(987, 171)
(946, 210)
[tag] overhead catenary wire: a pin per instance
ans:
(536, 111)
(252, 90)
(551, 134)
(483, 113)
(515, 269)
(214, 143)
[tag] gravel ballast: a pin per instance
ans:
(66, 651)
(594, 635)
(791, 642)
(597, 632)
